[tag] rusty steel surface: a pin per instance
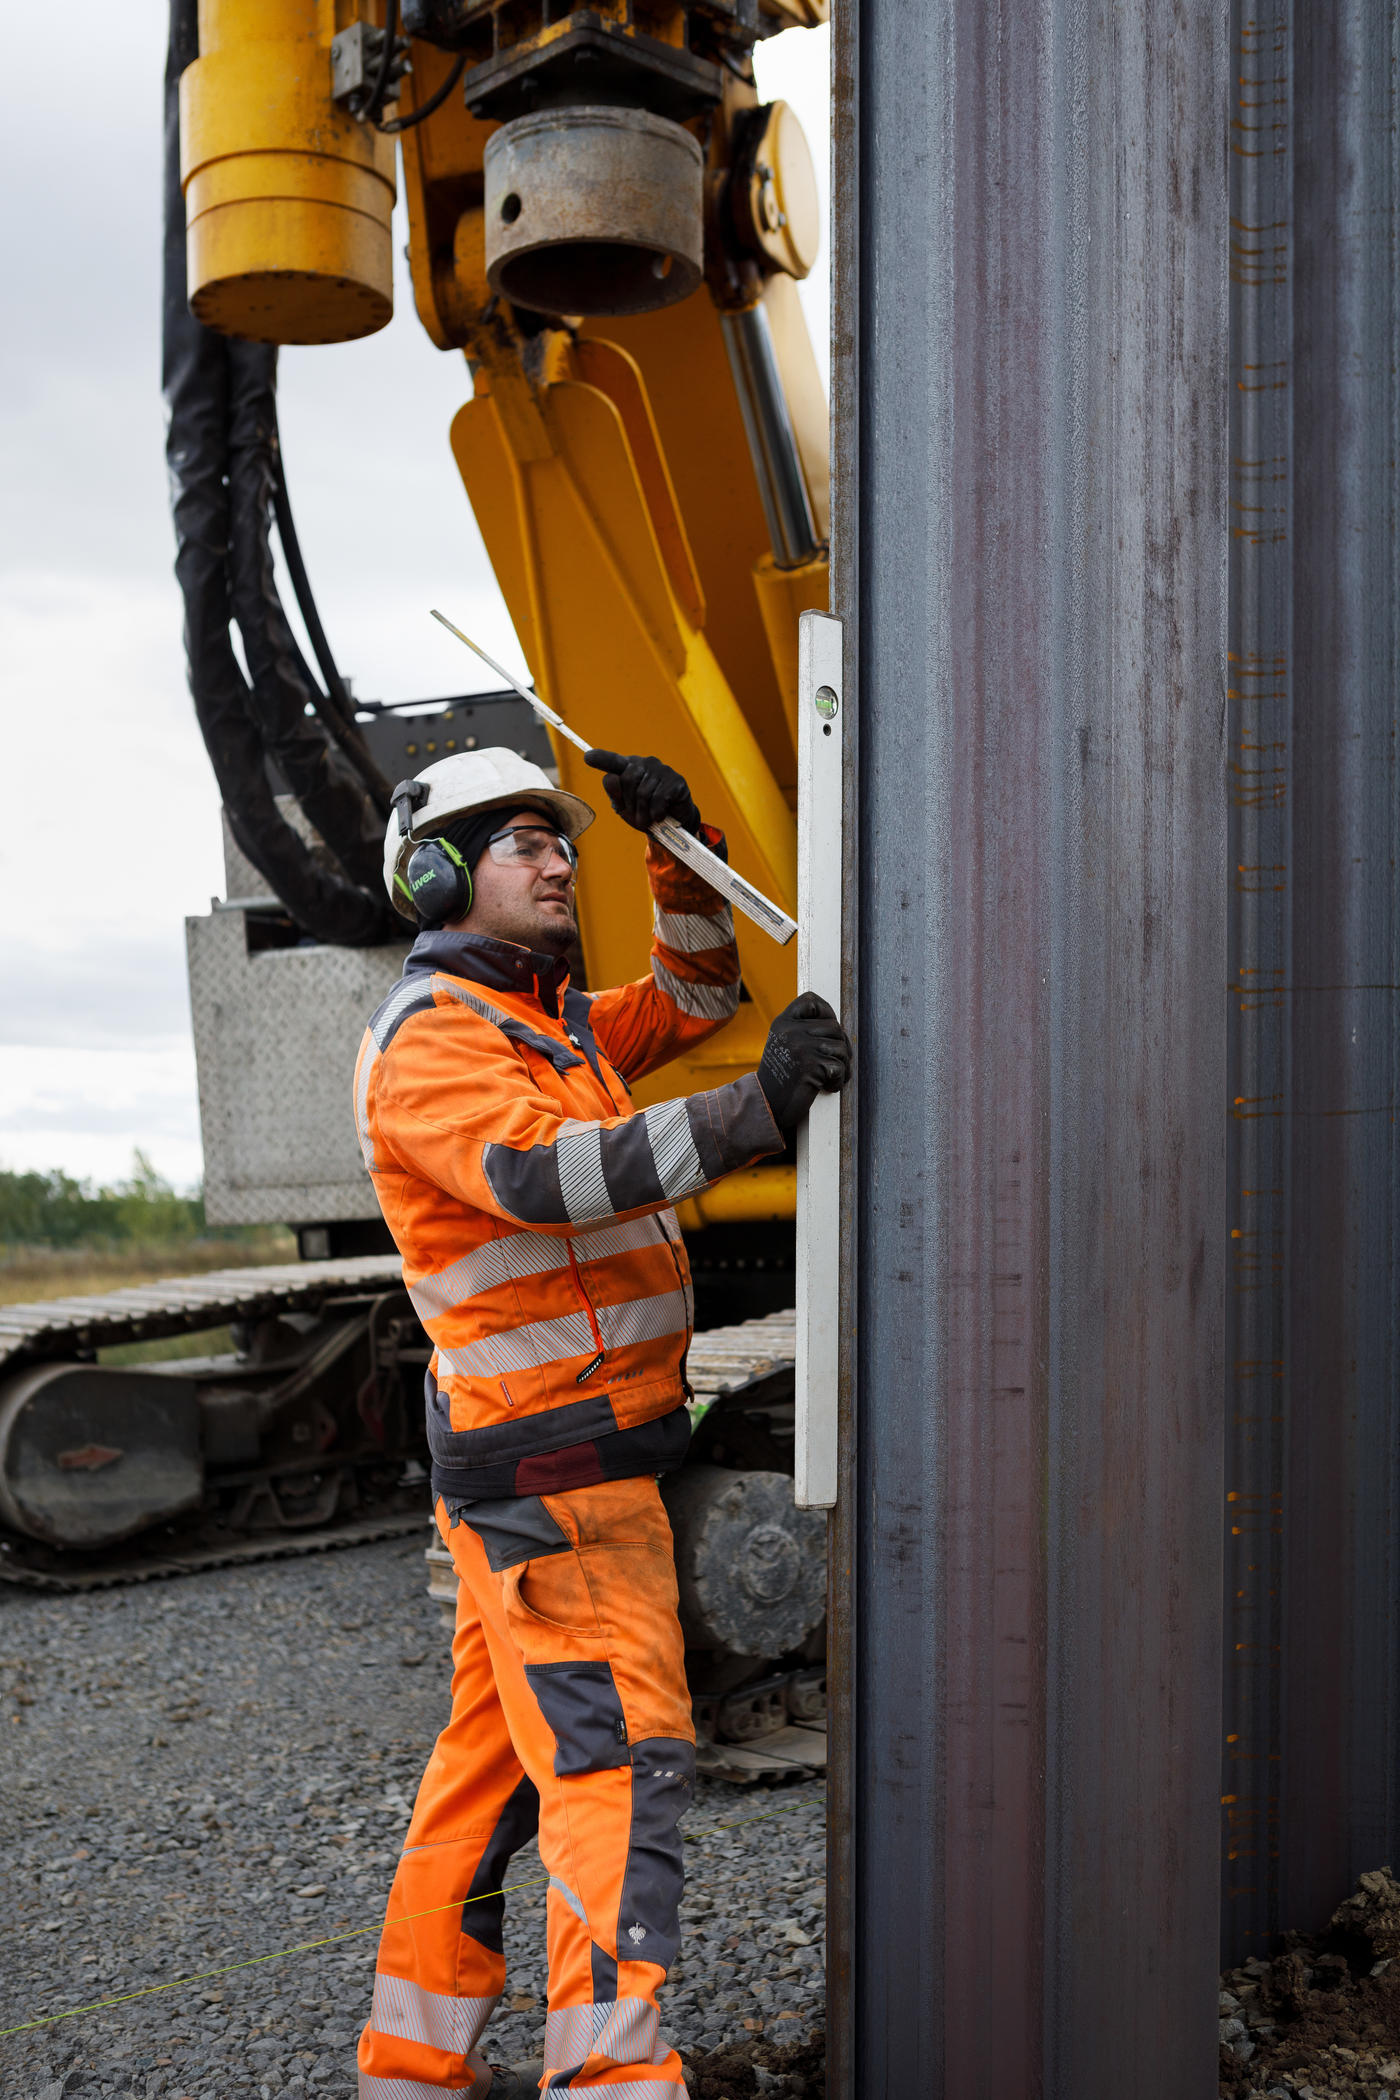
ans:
(1312, 1676)
(1259, 1064)
(1030, 545)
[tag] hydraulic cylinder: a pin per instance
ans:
(287, 197)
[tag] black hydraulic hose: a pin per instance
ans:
(281, 700)
(301, 587)
(199, 383)
(434, 101)
(181, 50)
(308, 679)
(336, 707)
(375, 101)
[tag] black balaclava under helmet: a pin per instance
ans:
(470, 834)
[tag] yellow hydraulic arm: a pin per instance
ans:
(651, 483)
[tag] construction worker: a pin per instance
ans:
(532, 1208)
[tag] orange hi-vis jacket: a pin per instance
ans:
(532, 1207)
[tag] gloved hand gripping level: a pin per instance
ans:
(807, 1053)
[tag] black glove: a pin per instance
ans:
(643, 791)
(807, 1053)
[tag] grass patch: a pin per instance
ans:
(171, 1349)
(32, 1273)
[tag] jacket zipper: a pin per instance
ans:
(599, 1344)
(689, 1329)
(594, 1329)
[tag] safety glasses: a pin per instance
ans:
(525, 846)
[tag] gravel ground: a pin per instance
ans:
(1320, 2020)
(206, 1771)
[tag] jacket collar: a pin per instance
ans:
(501, 966)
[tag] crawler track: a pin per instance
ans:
(754, 1358)
(115, 1569)
(59, 1329)
(148, 1312)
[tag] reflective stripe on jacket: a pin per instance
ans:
(531, 1206)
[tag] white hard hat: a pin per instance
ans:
(469, 781)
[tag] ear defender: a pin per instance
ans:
(437, 882)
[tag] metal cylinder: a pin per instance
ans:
(593, 211)
(751, 1566)
(772, 439)
(287, 198)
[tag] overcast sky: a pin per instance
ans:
(112, 825)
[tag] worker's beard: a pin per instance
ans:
(547, 932)
(557, 932)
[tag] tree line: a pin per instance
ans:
(55, 1210)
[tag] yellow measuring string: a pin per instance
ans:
(150, 1990)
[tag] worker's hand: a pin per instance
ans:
(643, 791)
(807, 1053)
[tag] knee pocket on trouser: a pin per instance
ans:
(663, 1785)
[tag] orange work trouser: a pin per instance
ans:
(570, 1716)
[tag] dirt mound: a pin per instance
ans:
(1322, 2019)
(756, 2066)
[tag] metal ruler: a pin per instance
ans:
(668, 833)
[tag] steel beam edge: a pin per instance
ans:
(841, 1926)
(1028, 549)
